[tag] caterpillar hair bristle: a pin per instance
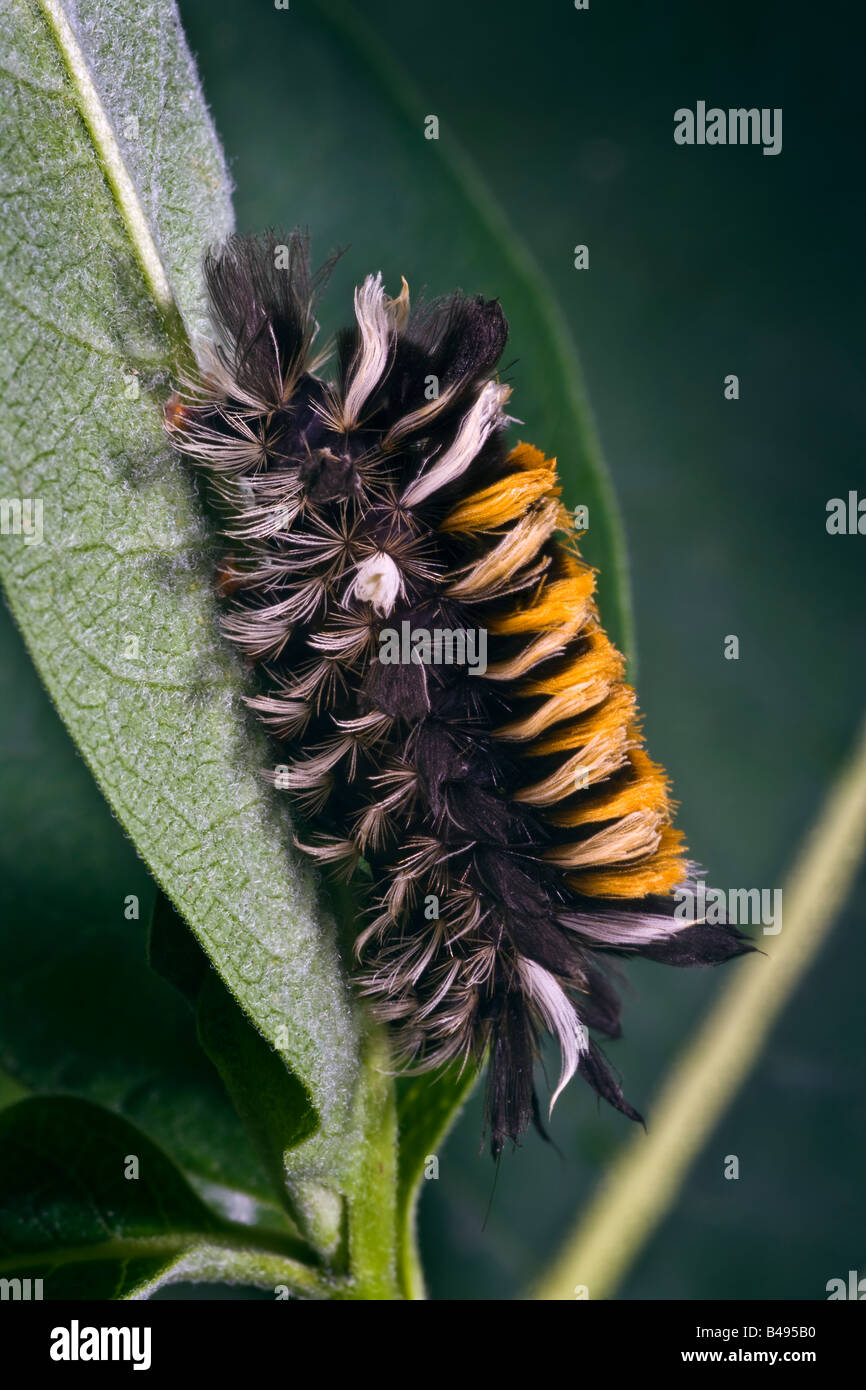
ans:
(518, 835)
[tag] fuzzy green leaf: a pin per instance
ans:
(114, 184)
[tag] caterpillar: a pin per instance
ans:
(517, 836)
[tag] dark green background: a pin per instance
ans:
(702, 262)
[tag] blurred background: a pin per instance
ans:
(702, 262)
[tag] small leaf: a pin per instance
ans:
(427, 1107)
(270, 1099)
(87, 1203)
(273, 1104)
(96, 1211)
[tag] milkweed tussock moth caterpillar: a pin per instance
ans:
(520, 801)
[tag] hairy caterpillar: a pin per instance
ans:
(518, 834)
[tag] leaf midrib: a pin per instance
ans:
(179, 1243)
(117, 175)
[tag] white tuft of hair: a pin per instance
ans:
(618, 928)
(377, 580)
(375, 319)
(475, 427)
(559, 1017)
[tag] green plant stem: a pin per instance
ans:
(373, 1239)
(643, 1182)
